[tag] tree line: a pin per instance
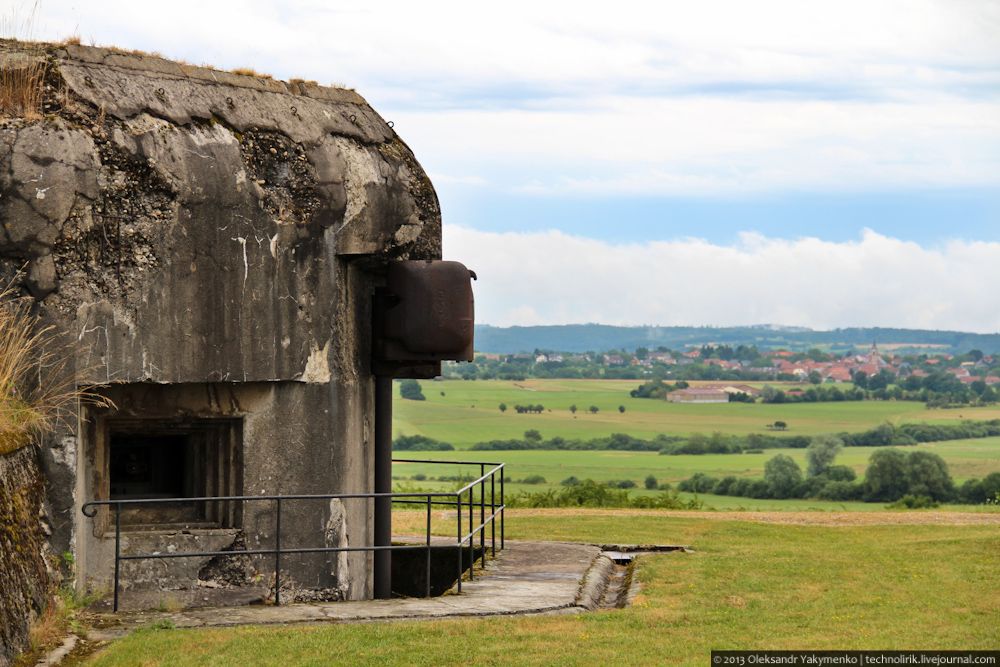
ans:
(883, 435)
(911, 479)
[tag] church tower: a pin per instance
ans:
(874, 357)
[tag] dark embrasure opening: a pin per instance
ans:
(160, 459)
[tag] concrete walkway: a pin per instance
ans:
(525, 578)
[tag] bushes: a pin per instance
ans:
(697, 483)
(840, 474)
(420, 443)
(410, 390)
(910, 434)
(533, 479)
(892, 475)
(718, 443)
(783, 476)
(927, 475)
(653, 389)
(840, 491)
(731, 444)
(911, 502)
(885, 478)
(821, 453)
(976, 492)
(616, 441)
(588, 493)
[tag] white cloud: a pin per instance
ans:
(727, 146)
(706, 98)
(555, 278)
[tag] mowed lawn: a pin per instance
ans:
(746, 585)
(468, 412)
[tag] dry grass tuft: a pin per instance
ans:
(22, 81)
(246, 71)
(22, 75)
(48, 630)
(37, 387)
(72, 40)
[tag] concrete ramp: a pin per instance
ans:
(525, 578)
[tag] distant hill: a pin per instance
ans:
(600, 337)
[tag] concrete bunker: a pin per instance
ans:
(208, 247)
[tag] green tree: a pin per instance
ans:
(861, 379)
(532, 435)
(593, 409)
(621, 409)
(573, 408)
(503, 407)
(927, 475)
(410, 390)
(821, 453)
(650, 483)
(885, 478)
(815, 377)
(782, 475)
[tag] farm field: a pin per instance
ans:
(452, 418)
(747, 584)
(468, 412)
(965, 458)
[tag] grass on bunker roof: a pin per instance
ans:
(746, 585)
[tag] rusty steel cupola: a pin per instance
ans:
(212, 247)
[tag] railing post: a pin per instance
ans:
(482, 513)
(118, 547)
(493, 511)
(277, 552)
(472, 540)
(503, 505)
(382, 559)
(428, 547)
(458, 538)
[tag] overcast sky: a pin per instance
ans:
(820, 164)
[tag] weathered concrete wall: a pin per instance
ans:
(282, 422)
(188, 226)
(24, 576)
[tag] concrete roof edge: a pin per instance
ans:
(154, 64)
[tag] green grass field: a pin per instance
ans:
(747, 585)
(468, 412)
(965, 458)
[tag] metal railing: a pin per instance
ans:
(454, 499)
